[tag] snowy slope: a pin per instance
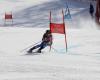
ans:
(8, 6)
(34, 15)
(38, 16)
(82, 60)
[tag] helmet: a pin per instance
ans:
(48, 31)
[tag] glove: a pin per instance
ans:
(49, 43)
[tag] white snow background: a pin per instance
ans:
(31, 19)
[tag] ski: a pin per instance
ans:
(34, 53)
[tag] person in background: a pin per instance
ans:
(91, 10)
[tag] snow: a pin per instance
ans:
(80, 62)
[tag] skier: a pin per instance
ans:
(91, 9)
(46, 41)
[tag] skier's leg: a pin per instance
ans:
(35, 47)
(43, 45)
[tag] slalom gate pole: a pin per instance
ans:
(65, 30)
(29, 46)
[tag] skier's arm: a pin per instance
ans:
(43, 38)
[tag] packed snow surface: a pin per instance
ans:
(31, 19)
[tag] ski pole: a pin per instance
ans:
(29, 46)
(50, 48)
(54, 49)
